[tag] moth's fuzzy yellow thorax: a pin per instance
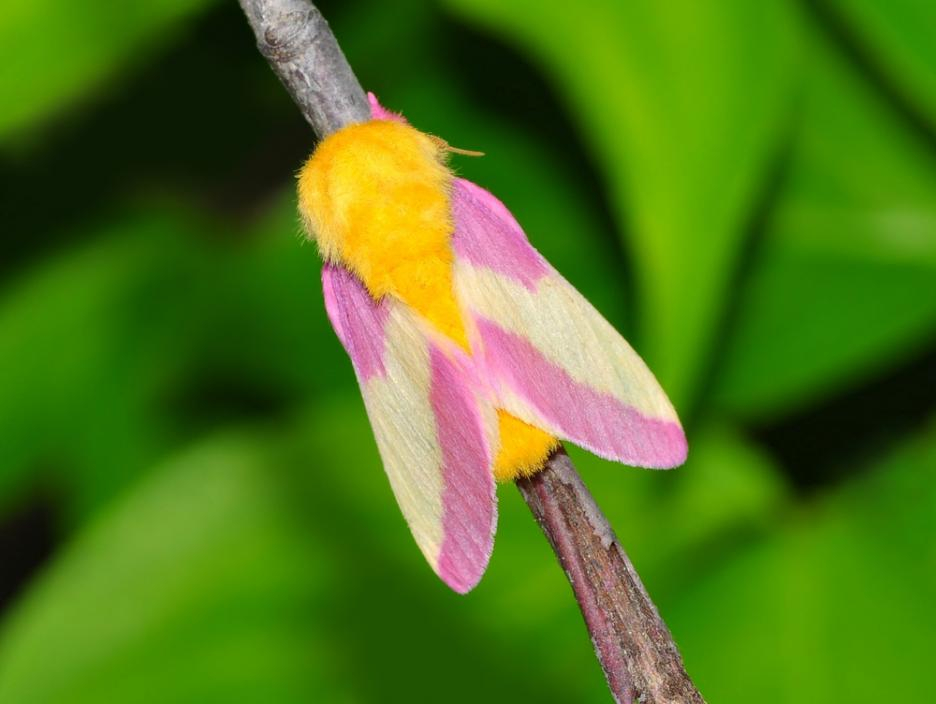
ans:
(369, 179)
(375, 196)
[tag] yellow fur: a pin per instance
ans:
(375, 196)
(523, 449)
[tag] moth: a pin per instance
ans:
(473, 355)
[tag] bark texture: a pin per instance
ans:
(636, 651)
(303, 51)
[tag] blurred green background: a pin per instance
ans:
(191, 504)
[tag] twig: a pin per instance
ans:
(300, 46)
(636, 651)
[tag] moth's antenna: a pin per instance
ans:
(446, 147)
(463, 152)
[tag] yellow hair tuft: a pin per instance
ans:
(523, 449)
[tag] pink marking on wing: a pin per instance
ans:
(379, 112)
(597, 421)
(469, 510)
(358, 319)
(487, 235)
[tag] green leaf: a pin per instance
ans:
(110, 353)
(845, 283)
(85, 342)
(54, 54)
(681, 106)
(899, 35)
(196, 587)
(836, 606)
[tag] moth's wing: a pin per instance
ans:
(429, 423)
(552, 359)
(379, 112)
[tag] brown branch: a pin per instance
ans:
(636, 651)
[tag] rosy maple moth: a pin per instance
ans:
(474, 356)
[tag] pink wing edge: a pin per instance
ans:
(379, 112)
(469, 500)
(487, 236)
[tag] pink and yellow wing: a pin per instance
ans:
(429, 426)
(550, 357)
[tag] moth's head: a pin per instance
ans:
(355, 169)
